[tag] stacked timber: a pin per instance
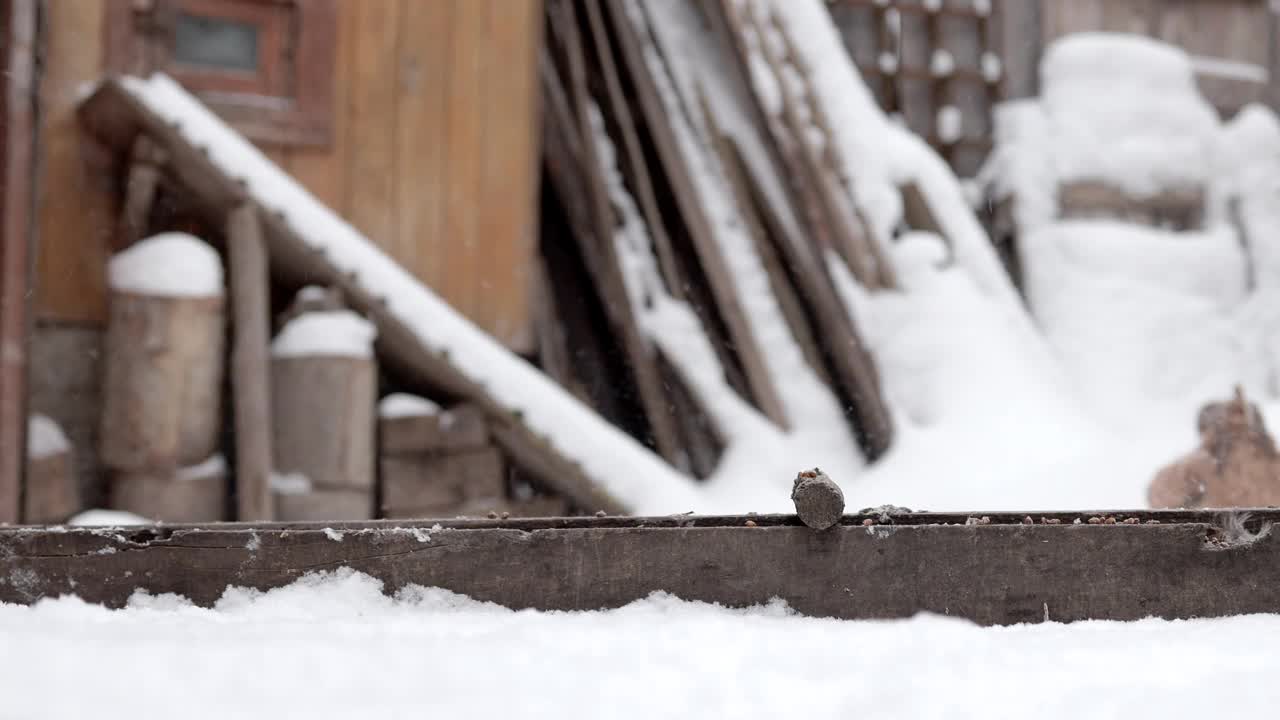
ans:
(437, 462)
(443, 463)
(163, 378)
(663, 169)
(52, 494)
(324, 385)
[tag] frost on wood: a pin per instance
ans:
(950, 123)
(45, 437)
(942, 64)
(293, 483)
(215, 466)
(333, 333)
(992, 68)
(173, 264)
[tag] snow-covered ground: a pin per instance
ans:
(336, 647)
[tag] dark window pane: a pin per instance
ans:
(216, 43)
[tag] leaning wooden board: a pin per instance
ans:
(1003, 571)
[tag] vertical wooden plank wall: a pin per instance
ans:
(433, 156)
(435, 147)
(74, 206)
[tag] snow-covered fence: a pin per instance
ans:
(937, 64)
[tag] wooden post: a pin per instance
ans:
(18, 170)
(146, 160)
(250, 363)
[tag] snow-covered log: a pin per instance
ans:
(324, 385)
(162, 385)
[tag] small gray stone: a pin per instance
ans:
(819, 501)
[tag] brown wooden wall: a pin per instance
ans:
(433, 156)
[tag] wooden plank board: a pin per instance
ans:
(463, 136)
(607, 271)
(422, 242)
(74, 206)
(321, 170)
(508, 152)
(1004, 571)
(634, 48)
(250, 363)
(848, 361)
(371, 199)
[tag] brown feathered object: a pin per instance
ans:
(1236, 464)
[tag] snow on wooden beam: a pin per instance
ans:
(587, 460)
(993, 569)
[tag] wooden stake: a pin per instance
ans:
(145, 172)
(250, 363)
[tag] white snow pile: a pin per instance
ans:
(169, 264)
(331, 333)
(1148, 323)
(45, 437)
(333, 646)
(398, 405)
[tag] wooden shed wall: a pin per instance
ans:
(433, 155)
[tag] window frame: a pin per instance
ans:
(288, 102)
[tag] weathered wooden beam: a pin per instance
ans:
(17, 178)
(995, 569)
(146, 162)
(644, 192)
(635, 48)
(251, 363)
(115, 117)
(851, 366)
(608, 270)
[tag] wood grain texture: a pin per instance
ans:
(251, 363)
(433, 153)
(162, 383)
(422, 242)
(17, 148)
(371, 199)
(323, 425)
(1000, 572)
(75, 206)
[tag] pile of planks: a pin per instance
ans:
(605, 74)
